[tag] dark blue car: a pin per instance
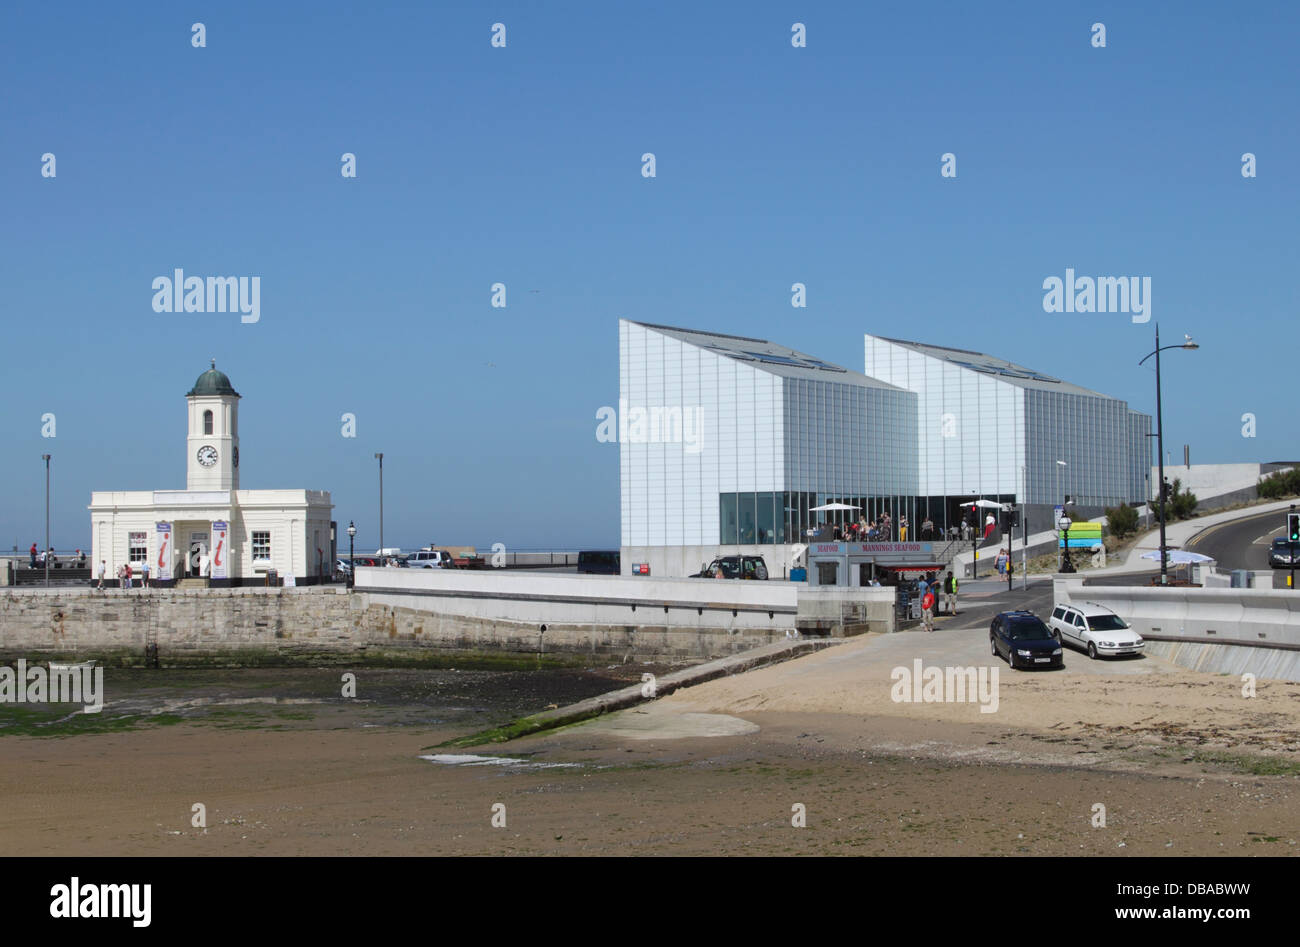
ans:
(1024, 640)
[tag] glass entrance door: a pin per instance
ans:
(198, 550)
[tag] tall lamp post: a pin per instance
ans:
(381, 503)
(1160, 443)
(1060, 560)
(46, 458)
(352, 556)
(1024, 529)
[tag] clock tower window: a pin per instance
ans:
(207, 422)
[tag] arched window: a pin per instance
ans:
(207, 422)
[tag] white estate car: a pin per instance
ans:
(429, 559)
(1095, 629)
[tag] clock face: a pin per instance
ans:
(207, 456)
(234, 456)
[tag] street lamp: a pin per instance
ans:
(1066, 564)
(352, 556)
(381, 503)
(46, 458)
(1024, 529)
(1160, 443)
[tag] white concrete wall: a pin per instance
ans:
(1206, 622)
(1208, 480)
(545, 598)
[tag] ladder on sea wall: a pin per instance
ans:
(150, 632)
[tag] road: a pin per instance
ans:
(1243, 543)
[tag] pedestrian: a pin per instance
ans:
(927, 610)
(950, 592)
(127, 574)
(103, 567)
(33, 555)
(121, 577)
(144, 574)
(902, 528)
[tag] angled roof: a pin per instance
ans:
(996, 368)
(768, 356)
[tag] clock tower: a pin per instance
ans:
(213, 441)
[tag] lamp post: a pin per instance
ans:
(1057, 524)
(381, 503)
(46, 458)
(352, 556)
(1024, 529)
(1160, 443)
(974, 539)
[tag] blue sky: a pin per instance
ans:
(521, 165)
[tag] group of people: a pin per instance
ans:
(881, 530)
(78, 557)
(125, 575)
(878, 530)
(929, 591)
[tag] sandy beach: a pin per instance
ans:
(1182, 763)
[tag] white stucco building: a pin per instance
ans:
(213, 529)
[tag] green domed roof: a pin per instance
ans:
(212, 382)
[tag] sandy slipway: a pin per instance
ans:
(637, 693)
(1139, 715)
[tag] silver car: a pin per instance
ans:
(1095, 629)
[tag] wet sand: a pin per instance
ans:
(1178, 773)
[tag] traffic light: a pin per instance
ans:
(1166, 491)
(1293, 527)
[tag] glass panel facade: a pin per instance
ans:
(725, 440)
(730, 528)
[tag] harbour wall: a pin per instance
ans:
(399, 617)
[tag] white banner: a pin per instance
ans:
(163, 564)
(220, 548)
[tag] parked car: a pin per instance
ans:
(1280, 555)
(734, 567)
(429, 559)
(342, 566)
(600, 562)
(1023, 639)
(1095, 629)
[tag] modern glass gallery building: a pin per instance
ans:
(726, 443)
